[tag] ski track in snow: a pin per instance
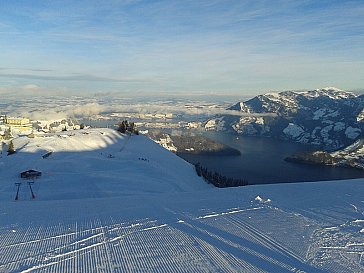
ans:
(194, 238)
(229, 241)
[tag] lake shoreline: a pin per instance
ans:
(262, 161)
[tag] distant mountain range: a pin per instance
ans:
(329, 118)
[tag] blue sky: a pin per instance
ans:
(180, 47)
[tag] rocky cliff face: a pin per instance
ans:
(329, 118)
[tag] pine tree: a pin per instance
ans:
(198, 169)
(11, 149)
(7, 134)
(131, 127)
(122, 127)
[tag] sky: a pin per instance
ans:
(188, 47)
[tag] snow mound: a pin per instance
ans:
(70, 141)
(261, 200)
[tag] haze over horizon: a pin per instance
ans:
(179, 47)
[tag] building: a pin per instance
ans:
(18, 125)
(17, 121)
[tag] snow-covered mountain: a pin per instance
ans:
(107, 202)
(327, 117)
(350, 156)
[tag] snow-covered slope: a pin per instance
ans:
(111, 203)
(352, 155)
(327, 117)
(96, 162)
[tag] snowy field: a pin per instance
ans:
(112, 203)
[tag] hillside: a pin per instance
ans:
(192, 144)
(112, 203)
(329, 118)
(351, 156)
(82, 159)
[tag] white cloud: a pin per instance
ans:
(50, 109)
(32, 88)
(87, 110)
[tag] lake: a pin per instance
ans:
(262, 161)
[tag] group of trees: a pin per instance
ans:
(217, 179)
(126, 126)
(7, 136)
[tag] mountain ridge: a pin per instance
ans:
(329, 118)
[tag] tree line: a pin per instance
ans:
(217, 179)
(126, 126)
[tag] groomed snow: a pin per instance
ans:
(111, 203)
